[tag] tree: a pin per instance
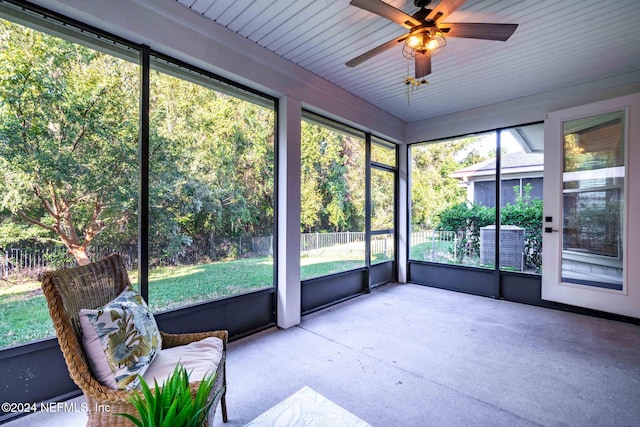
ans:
(332, 180)
(68, 137)
(211, 167)
(432, 189)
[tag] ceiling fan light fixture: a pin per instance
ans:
(431, 41)
(432, 45)
(414, 42)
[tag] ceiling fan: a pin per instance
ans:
(426, 31)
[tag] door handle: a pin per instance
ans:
(550, 230)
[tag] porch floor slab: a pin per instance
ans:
(409, 355)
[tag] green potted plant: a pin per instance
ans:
(172, 404)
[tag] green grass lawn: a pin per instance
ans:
(317, 267)
(24, 315)
(171, 287)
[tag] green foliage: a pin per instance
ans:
(466, 219)
(433, 190)
(527, 213)
(69, 139)
(332, 180)
(16, 233)
(211, 167)
(57, 259)
(68, 136)
(172, 405)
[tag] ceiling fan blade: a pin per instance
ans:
(387, 11)
(469, 30)
(444, 9)
(376, 50)
(422, 64)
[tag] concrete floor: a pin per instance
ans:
(408, 355)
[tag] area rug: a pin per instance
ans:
(307, 408)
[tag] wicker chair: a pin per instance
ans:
(92, 286)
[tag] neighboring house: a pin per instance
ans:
(517, 170)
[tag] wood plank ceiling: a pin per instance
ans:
(558, 44)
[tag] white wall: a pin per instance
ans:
(288, 259)
(522, 110)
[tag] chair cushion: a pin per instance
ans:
(121, 339)
(199, 358)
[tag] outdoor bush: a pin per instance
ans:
(527, 213)
(58, 259)
(467, 218)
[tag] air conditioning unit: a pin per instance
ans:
(511, 246)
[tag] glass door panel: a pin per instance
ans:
(593, 200)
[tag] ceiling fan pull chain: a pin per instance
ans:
(407, 82)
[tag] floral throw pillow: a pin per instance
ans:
(126, 332)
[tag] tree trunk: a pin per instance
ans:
(59, 208)
(80, 255)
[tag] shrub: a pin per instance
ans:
(468, 218)
(527, 213)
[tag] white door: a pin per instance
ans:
(591, 220)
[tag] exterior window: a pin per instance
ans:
(484, 193)
(68, 165)
(332, 197)
(211, 189)
(510, 191)
(535, 186)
